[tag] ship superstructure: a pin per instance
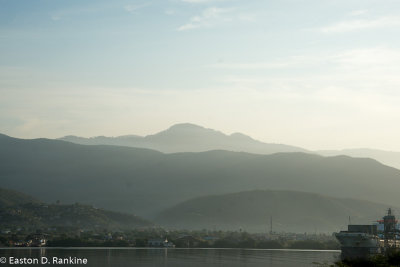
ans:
(362, 241)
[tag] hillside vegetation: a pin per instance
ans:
(145, 182)
(9, 198)
(252, 211)
(20, 210)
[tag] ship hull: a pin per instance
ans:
(358, 245)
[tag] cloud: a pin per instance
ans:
(200, 1)
(281, 63)
(88, 10)
(247, 17)
(361, 24)
(134, 8)
(364, 69)
(55, 17)
(209, 17)
(379, 60)
(369, 58)
(170, 11)
(358, 12)
(253, 65)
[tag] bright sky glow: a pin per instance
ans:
(321, 74)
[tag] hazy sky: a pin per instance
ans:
(312, 73)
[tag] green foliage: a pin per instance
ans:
(9, 198)
(70, 242)
(141, 242)
(390, 260)
(40, 215)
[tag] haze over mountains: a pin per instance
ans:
(10, 198)
(20, 210)
(252, 210)
(146, 182)
(124, 174)
(390, 158)
(188, 137)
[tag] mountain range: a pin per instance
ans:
(250, 211)
(146, 182)
(187, 137)
(390, 158)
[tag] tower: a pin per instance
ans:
(389, 224)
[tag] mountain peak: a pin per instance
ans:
(189, 137)
(186, 126)
(189, 129)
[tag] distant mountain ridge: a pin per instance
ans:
(390, 158)
(145, 182)
(252, 210)
(187, 137)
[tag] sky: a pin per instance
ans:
(320, 74)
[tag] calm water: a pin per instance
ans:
(114, 257)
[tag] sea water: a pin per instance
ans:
(114, 257)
